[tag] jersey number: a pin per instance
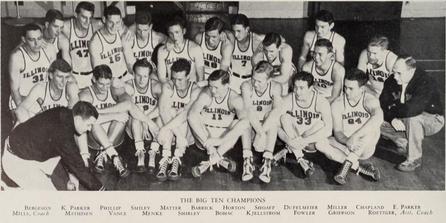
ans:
(244, 63)
(300, 121)
(352, 121)
(82, 53)
(214, 117)
(116, 58)
(38, 78)
(210, 64)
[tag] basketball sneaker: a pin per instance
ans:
(118, 164)
(163, 165)
(174, 172)
(341, 177)
(265, 175)
(248, 169)
(307, 166)
(369, 170)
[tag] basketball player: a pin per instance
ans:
(279, 55)
(328, 74)
(52, 31)
(145, 95)
(324, 25)
(307, 119)
(57, 92)
(145, 41)
(28, 64)
(176, 99)
(177, 46)
(377, 61)
(213, 123)
(106, 46)
(357, 117)
(260, 95)
(216, 51)
(80, 30)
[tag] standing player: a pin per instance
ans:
(278, 54)
(177, 97)
(260, 96)
(377, 61)
(52, 31)
(106, 45)
(324, 25)
(212, 120)
(176, 47)
(80, 30)
(216, 51)
(307, 120)
(28, 64)
(328, 74)
(357, 116)
(57, 92)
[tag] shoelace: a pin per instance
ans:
(176, 162)
(118, 164)
(247, 165)
(266, 167)
(345, 169)
(101, 158)
(163, 164)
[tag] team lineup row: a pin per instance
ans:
(224, 86)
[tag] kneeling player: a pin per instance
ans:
(211, 119)
(307, 119)
(357, 117)
(260, 95)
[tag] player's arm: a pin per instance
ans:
(64, 47)
(197, 56)
(72, 93)
(338, 80)
(247, 92)
(257, 57)
(95, 49)
(24, 110)
(371, 104)
(340, 50)
(66, 27)
(226, 52)
(338, 128)
(162, 67)
(391, 59)
(160, 38)
(128, 53)
(286, 67)
(198, 38)
(194, 117)
(165, 102)
(278, 106)
(323, 107)
(16, 64)
(182, 116)
(236, 103)
(362, 61)
(51, 52)
(156, 91)
(305, 49)
(96, 24)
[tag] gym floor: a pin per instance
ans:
(423, 38)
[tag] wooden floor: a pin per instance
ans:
(405, 36)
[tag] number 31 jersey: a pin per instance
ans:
(34, 71)
(305, 117)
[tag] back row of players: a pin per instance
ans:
(210, 91)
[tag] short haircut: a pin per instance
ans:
(324, 43)
(30, 27)
(143, 18)
(302, 76)
(214, 23)
(53, 15)
(240, 19)
(264, 67)
(143, 63)
(111, 10)
(408, 60)
(358, 75)
(86, 6)
(177, 20)
(60, 65)
(102, 71)
(325, 16)
(85, 110)
(271, 38)
(219, 75)
(380, 41)
(181, 65)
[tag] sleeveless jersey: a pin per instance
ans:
(145, 100)
(212, 57)
(218, 114)
(113, 55)
(49, 102)
(354, 116)
(305, 117)
(323, 83)
(101, 104)
(378, 75)
(35, 71)
(262, 103)
(80, 56)
(241, 60)
(276, 71)
(179, 102)
(145, 51)
(173, 56)
(313, 43)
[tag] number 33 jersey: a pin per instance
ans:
(305, 117)
(354, 116)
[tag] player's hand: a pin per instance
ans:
(213, 142)
(73, 182)
(398, 125)
(86, 159)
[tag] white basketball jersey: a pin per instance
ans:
(378, 75)
(184, 53)
(113, 55)
(212, 57)
(354, 116)
(179, 102)
(313, 44)
(241, 60)
(323, 83)
(80, 56)
(101, 104)
(35, 71)
(262, 103)
(144, 51)
(276, 71)
(305, 117)
(49, 102)
(218, 114)
(145, 99)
